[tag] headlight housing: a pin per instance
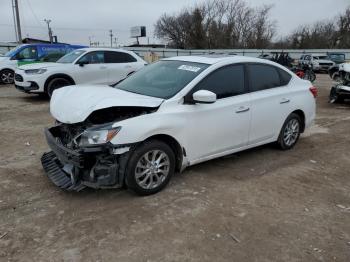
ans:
(35, 71)
(93, 137)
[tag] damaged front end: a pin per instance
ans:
(82, 154)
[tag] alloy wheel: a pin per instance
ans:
(7, 77)
(152, 169)
(291, 132)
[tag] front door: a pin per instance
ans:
(91, 69)
(224, 125)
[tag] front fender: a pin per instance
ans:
(140, 128)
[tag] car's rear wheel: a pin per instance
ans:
(57, 83)
(290, 132)
(150, 167)
(7, 76)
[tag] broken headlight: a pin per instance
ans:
(98, 137)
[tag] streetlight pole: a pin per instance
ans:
(111, 35)
(48, 21)
(18, 22)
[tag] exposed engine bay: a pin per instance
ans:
(77, 160)
(70, 132)
(341, 91)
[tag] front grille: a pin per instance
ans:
(18, 78)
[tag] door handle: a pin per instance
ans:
(242, 109)
(103, 67)
(284, 101)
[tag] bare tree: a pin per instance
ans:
(218, 24)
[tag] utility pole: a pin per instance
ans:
(18, 22)
(111, 35)
(48, 21)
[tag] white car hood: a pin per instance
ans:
(39, 65)
(73, 104)
(324, 61)
(4, 58)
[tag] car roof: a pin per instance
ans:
(213, 59)
(104, 49)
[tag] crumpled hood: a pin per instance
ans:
(73, 104)
(39, 65)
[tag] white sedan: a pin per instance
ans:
(172, 114)
(83, 66)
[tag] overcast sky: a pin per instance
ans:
(73, 21)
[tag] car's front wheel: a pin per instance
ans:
(7, 76)
(57, 83)
(290, 132)
(150, 167)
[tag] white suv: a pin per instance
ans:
(318, 62)
(172, 114)
(82, 66)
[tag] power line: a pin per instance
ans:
(31, 9)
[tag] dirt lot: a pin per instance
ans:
(259, 205)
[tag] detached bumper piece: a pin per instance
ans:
(75, 169)
(57, 175)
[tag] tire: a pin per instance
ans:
(310, 75)
(334, 97)
(7, 76)
(145, 177)
(57, 83)
(290, 132)
(336, 77)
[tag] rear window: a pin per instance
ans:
(112, 57)
(285, 77)
(263, 77)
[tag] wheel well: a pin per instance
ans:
(7, 69)
(58, 76)
(301, 114)
(175, 146)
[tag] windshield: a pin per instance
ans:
(13, 51)
(70, 57)
(162, 79)
(337, 56)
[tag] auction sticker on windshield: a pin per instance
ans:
(189, 68)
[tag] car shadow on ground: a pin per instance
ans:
(34, 98)
(236, 166)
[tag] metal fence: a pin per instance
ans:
(5, 47)
(294, 53)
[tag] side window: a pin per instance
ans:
(224, 82)
(262, 77)
(29, 53)
(93, 58)
(118, 57)
(284, 76)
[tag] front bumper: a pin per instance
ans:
(29, 83)
(343, 90)
(73, 170)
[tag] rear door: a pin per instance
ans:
(119, 65)
(91, 69)
(271, 101)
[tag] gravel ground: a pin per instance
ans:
(258, 205)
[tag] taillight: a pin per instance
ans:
(313, 91)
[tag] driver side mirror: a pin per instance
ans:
(82, 63)
(204, 97)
